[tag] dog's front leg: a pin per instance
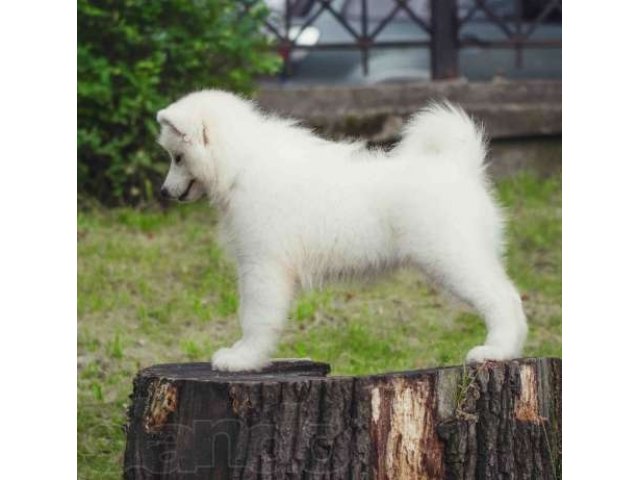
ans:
(265, 294)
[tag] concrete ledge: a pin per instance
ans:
(508, 108)
(542, 155)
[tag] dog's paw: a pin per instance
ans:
(236, 359)
(482, 353)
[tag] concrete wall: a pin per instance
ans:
(523, 118)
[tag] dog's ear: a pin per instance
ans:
(189, 131)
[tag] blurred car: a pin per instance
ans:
(406, 63)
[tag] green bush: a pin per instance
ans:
(135, 57)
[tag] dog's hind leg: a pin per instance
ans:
(479, 279)
(265, 295)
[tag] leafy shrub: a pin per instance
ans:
(135, 57)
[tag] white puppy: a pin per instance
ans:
(298, 210)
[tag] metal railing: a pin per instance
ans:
(442, 24)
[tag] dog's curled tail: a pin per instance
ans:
(444, 128)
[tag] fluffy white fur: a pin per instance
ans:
(298, 210)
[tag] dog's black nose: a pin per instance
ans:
(164, 193)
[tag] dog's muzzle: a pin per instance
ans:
(165, 193)
(186, 192)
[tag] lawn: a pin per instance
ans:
(153, 287)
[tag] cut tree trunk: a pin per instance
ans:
(492, 421)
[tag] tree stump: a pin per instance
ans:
(491, 421)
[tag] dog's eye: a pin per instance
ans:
(177, 159)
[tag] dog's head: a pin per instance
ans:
(184, 136)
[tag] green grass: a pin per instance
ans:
(154, 287)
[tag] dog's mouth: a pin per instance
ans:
(184, 195)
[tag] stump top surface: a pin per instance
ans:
(291, 369)
(202, 371)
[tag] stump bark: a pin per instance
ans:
(492, 421)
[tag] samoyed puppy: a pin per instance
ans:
(298, 210)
